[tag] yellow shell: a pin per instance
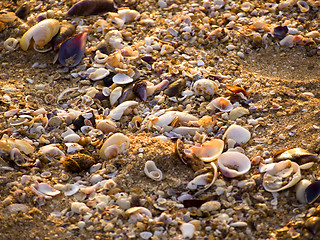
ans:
(41, 33)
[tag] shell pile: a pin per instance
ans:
(144, 134)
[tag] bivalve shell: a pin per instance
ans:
(116, 140)
(117, 112)
(233, 164)
(151, 170)
(97, 73)
(137, 213)
(209, 151)
(220, 103)
(121, 78)
(312, 192)
(301, 190)
(238, 134)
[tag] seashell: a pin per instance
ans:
(313, 34)
(77, 162)
(286, 4)
(209, 151)
(102, 47)
(97, 73)
(187, 230)
(91, 7)
(233, 164)
(114, 40)
(79, 207)
(221, 103)
(7, 16)
(128, 15)
(18, 158)
(186, 130)
(140, 90)
(51, 150)
(17, 207)
(116, 140)
(41, 33)
(175, 88)
(72, 138)
(283, 175)
(73, 147)
(100, 57)
(238, 112)
(137, 213)
(11, 44)
(303, 6)
(301, 190)
(115, 95)
(205, 87)
(280, 32)
(72, 50)
(298, 155)
(152, 171)
(23, 11)
(106, 126)
(117, 112)
(8, 144)
(238, 134)
(66, 31)
(167, 118)
(90, 189)
(86, 119)
(108, 184)
(115, 60)
(312, 192)
(121, 78)
(287, 41)
(47, 189)
(313, 225)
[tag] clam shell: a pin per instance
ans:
(106, 126)
(175, 88)
(205, 87)
(151, 170)
(71, 189)
(47, 189)
(91, 7)
(79, 207)
(73, 147)
(117, 112)
(221, 103)
(209, 151)
(301, 190)
(121, 78)
(115, 95)
(233, 164)
(186, 130)
(238, 134)
(282, 172)
(51, 150)
(298, 155)
(96, 74)
(118, 140)
(137, 213)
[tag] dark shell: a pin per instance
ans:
(107, 81)
(148, 59)
(77, 162)
(103, 47)
(298, 155)
(312, 192)
(175, 88)
(66, 31)
(140, 90)
(193, 203)
(23, 11)
(313, 225)
(127, 94)
(80, 122)
(72, 50)
(91, 7)
(280, 32)
(100, 96)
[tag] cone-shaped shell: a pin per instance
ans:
(41, 33)
(283, 175)
(151, 170)
(233, 164)
(117, 139)
(238, 134)
(209, 151)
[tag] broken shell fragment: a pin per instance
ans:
(313, 225)
(91, 7)
(72, 50)
(238, 134)
(117, 140)
(233, 164)
(209, 151)
(175, 88)
(8, 144)
(312, 192)
(205, 87)
(301, 190)
(115, 95)
(281, 176)
(41, 33)
(212, 176)
(298, 155)
(137, 213)
(220, 103)
(280, 32)
(151, 170)
(117, 112)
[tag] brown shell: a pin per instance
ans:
(77, 162)
(298, 155)
(175, 88)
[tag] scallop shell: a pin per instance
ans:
(41, 33)
(205, 87)
(238, 134)
(117, 112)
(284, 172)
(151, 170)
(221, 103)
(121, 78)
(209, 151)
(233, 164)
(116, 140)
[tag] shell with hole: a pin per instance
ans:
(233, 164)
(115, 144)
(41, 33)
(281, 176)
(239, 134)
(151, 170)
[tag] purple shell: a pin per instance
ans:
(91, 7)
(72, 50)
(280, 32)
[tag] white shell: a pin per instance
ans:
(117, 112)
(70, 189)
(187, 230)
(72, 138)
(47, 189)
(166, 118)
(137, 213)
(97, 73)
(100, 57)
(238, 134)
(205, 87)
(221, 103)
(79, 207)
(108, 184)
(233, 164)
(209, 151)
(68, 132)
(51, 150)
(121, 78)
(115, 95)
(119, 140)
(282, 172)
(301, 190)
(128, 15)
(151, 170)
(186, 130)
(287, 41)
(73, 147)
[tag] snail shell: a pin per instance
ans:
(152, 171)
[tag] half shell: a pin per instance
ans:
(116, 140)
(221, 103)
(238, 134)
(233, 164)
(209, 151)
